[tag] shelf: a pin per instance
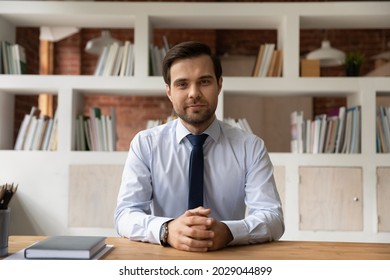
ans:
(35, 84)
(317, 15)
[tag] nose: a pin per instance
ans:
(194, 91)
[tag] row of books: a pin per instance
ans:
(116, 60)
(96, 132)
(37, 132)
(336, 132)
(269, 61)
(383, 129)
(12, 58)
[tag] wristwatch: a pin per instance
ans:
(164, 234)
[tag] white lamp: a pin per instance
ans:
(55, 34)
(96, 45)
(327, 55)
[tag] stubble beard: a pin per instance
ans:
(196, 118)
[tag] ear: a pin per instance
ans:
(220, 85)
(168, 91)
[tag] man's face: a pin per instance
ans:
(194, 91)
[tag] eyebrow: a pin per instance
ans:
(180, 80)
(206, 77)
(200, 78)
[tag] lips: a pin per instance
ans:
(196, 106)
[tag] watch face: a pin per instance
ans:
(163, 234)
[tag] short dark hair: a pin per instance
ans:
(189, 49)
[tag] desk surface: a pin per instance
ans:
(125, 249)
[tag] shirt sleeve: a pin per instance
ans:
(132, 216)
(264, 220)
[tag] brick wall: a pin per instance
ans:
(132, 112)
(368, 41)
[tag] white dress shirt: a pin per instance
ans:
(238, 175)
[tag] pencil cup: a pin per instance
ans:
(4, 226)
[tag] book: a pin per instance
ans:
(111, 58)
(5, 46)
(118, 62)
(271, 68)
(66, 247)
(101, 62)
(332, 126)
(266, 61)
(130, 61)
(278, 63)
(19, 59)
(341, 129)
(125, 58)
(52, 138)
(355, 133)
(256, 69)
(296, 119)
(383, 127)
(22, 132)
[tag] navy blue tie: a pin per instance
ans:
(195, 197)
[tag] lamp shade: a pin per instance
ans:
(96, 45)
(327, 55)
(55, 34)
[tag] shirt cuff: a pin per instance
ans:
(154, 228)
(239, 232)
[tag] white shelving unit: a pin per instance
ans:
(41, 204)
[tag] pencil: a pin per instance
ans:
(6, 194)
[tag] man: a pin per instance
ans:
(238, 174)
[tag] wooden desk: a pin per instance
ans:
(125, 249)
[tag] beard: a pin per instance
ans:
(196, 118)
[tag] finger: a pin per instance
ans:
(198, 221)
(199, 233)
(199, 211)
(196, 245)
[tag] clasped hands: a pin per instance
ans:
(195, 231)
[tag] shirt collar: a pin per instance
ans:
(214, 130)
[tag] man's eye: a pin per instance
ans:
(205, 82)
(181, 85)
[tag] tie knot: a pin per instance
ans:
(197, 140)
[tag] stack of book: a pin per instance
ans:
(37, 132)
(269, 61)
(116, 60)
(96, 132)
(383, 129)
(12, 58)
(336, 132)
